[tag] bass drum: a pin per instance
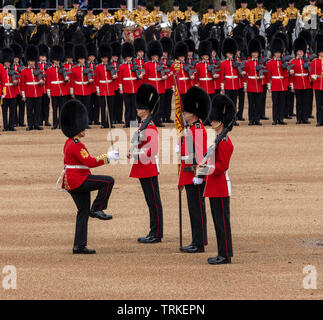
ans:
(132, 33)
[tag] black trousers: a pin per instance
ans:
(82, 199)
(241, 95)
(168, 104)
(303, 98)
(44, 108)
(254, 103)
(9, 105)
(319, 106)
(33, 111)
(20, 111)
(103, 101)
(150, 188)
(220, 208)
(289, 105)
(161, 111)
(310, 110)
(57, 103)
(196, 209)
(279, 101)
(130, 107)
(263, 101)
(86, 100)
(117, 107)
(94, 109)
(233, 95)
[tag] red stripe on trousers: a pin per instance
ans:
(225, 231)
(108, 182)
(198, 186)
(156, 207)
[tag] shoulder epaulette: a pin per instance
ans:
(75, 140)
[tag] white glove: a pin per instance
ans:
(177, 149)
(197, 180)
(113, 155)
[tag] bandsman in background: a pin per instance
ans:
(279, 15)
(105, 17)
(167, 45)
(105, 87)
(193, 146)
(122, 13)
(57, 80)
(310, 10)
(144, 20)
(176, 16)
(243, 14)
(292, 14)
(136, 12)
(90, 19)
(32, 88)
(69, 63)
(60, 15)
(156, 14)
(27, 17)
(7, 19)
(257, 13)
(188, 16)
(222, 14)
(210, 17)
(43, 18)
(140, 52)
(71, 15)
(300, 82)
(145, 166)
(317, 78)
(9, 90)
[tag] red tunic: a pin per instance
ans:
(76, 154)
(184, 81)
(55, 83)
(254, 84)
(16, 67)
(277, 75)
(218, 184)
(198, 136)
(229, 76)
(146, 166)
(80, 82)
(300, 79)
(103, 81)
(204, 77)
(153, 77)
(6, 82)
(68, 67)
(127, 79)
(30, 86)
(317, 74)
(169, 82)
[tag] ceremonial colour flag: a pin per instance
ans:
(179, 123)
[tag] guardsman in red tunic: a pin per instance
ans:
(300, 82)
(32, 88)
(81, 78)
(129, 82)
(216, 62)
(144, 151)
(69, 63)
(43, 65)
(204, 77)
(218, 185)
(156, 76)
(57, 82)
(140, 51)
(253, 84)
(317, 78)
(229, 74)
(105, 88)
(9, 86)
(77, 177)
(167, 45)
(192, 148)
(277, 81)
(184, 75)
(18, 66)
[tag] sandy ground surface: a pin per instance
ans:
(277, 178)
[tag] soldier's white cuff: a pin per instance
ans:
(314, 77)
(269, 86)
(120, 87)
(71, 90)
(23, 94)
(291, 86)
(48, 92)
(245, 85)
(222, 86)
(97, 90)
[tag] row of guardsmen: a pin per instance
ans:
(142, 17)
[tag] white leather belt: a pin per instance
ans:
(57, 82)
(231, 77)
(277, 77)
(184, 78)
(67, 166)
(301, 74)
(154, 79)
(8, 84)
(252, 77)
(129, 79)
(32, 83)
(205, 79)
(80, 82)
(105, 81)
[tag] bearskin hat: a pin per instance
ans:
(7, 55)
(223, 110)
(105, 51)
(191, 45)
(229, 46)
(319, 43)
(223, 3)
(262, 41)
(69, 50)
(284, 38)
(300, 44)
(116, 49)
(277, 45)
(181, 50)
(167, 45)
(91, 49)
(56, 53)
(31, 53)
(205, 48)
(307, 36)
(17, 50)
(43, 50)
(154, 48)
(198, 102)
(215, 45)
(128, 50)
(241, 46)
(73, 118)
(254, 46)
(147, 98)
(80, 52)
(176, 4)
(210, 6)
(140, 45)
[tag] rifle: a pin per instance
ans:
(63, 71)
(13, 74)
(21, 67)
(38, 73)
(161, 68)
(88, 71)
(135, 68)
(285, 63)
(238, 65)
(308, 60)
(187, 68)
(112, 69)
(211, 67)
